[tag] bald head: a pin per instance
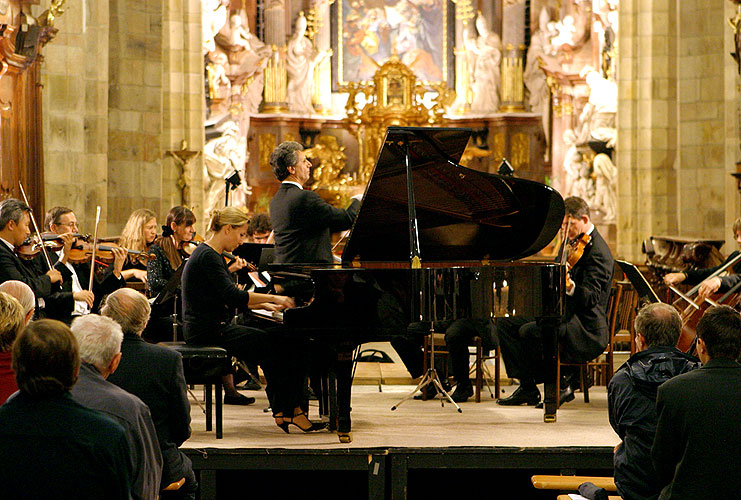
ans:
(22, 294)
(659, 324)
(128, 308)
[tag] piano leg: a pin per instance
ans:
(343, 374)
(550, 359)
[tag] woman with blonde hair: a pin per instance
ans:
(138, 234)
(210, 298)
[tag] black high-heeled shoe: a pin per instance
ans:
(315, 426)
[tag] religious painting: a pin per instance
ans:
(365, 33)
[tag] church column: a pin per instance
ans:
(647, 123)
(74, 79)
(183, 107)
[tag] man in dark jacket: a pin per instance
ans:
(697, 448)
(632, 397)
(155, 374)
(583, 330)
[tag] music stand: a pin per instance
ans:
(171, 291)
(639, 282)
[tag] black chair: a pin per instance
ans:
(205, 365)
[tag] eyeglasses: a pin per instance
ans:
(68, 224)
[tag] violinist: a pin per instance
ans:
(138, 234)
(708, 285)
(209, 299)
(168, 257)
(15, 219)
(75, 297)
(583, 332)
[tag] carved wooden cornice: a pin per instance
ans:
(8, 52)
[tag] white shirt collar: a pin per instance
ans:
(294, 183)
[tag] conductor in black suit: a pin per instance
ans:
(302, 221)
(697, 448)
(583, 330)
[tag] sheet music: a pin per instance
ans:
(271, 315)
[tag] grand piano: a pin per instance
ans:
(433, 241)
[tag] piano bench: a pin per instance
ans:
(205, 365)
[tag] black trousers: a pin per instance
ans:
(280, 357)
(458, 336)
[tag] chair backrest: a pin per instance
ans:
(626, 299)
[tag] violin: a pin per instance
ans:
(104, 253)
(187, 247)
(52, 242)
(576, 249)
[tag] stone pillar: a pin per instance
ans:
(322, 99)
(134, 110)
(74, 76)
(677, 125)
(183, 106)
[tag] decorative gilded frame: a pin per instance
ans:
(339, 14)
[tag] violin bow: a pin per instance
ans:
(36, 227)
(95, 247)
(562, 254)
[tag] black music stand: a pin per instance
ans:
(639, 282)
(171, 291)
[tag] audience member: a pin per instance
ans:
(155, 374)
(22, 294)
(697, 449)
(631, 397)
(12, 321)
(50, 446)
(100, 340)
(259, 228)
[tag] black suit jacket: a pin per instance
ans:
(584, 332)
(697, 448)
(303, 224)
(155, 374)
(13, 268)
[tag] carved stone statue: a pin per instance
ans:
(249, 56)
(486, 74)
(301, 59)
(598, 116)
(605, 196)
(214, 18)
(222, 157)
(534, 76)
(219, 86)
(572, 162)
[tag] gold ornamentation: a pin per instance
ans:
(393, 98)
(55, 10)
(473, 153)
(265, 146)
(520, 150)
(332, 160)
(288, 137)
(276, 81)
(498, 147)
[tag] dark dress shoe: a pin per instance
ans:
(564, 396)
(521, 396)
(238, 399)
(250, 385)
(462, 393)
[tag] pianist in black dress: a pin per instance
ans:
(210, 298)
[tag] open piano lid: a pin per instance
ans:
(462, 214)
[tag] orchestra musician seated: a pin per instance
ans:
(210, 298)
(169, 253)
(138, 234)
(259, 228)
(583, 330)
(711, 284)
(75, 297)
(15, 220)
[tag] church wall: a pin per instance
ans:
(123, 85)
(74, 76)
(677, 138)
(134, 109)
(183, 106)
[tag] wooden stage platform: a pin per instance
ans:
(421, 450)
